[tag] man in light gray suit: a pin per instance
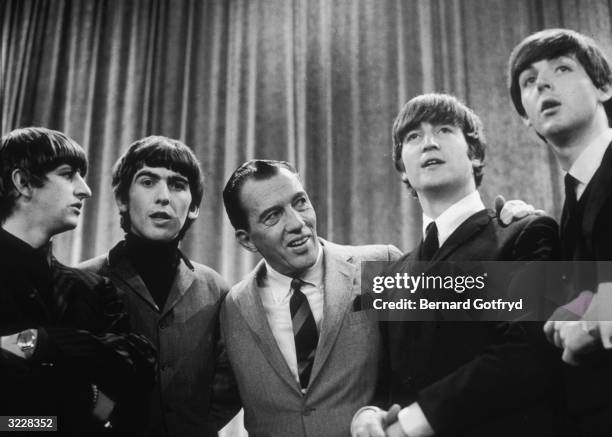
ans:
(304, 355)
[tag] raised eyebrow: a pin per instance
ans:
(145, 173)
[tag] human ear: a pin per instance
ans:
(194, 211)
(121, 204)
(604, 93)
(21, 182)
(244, 239)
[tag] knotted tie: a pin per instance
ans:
(304, 331)
(569, 217)
(430, 245)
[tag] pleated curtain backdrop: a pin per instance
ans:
(315, 82)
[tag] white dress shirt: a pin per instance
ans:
(451, 219)
(275, 296)
(589, 161)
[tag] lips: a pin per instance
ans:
(77, 206)
(160, 215)
(299, 242)
(548, 104)
(431, 162)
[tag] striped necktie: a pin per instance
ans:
(304, 331)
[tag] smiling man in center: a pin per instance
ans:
(304, 353)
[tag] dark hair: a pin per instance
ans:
(439, 109)
(36, 151)
(157, 151)
(258, 169)
(550, 44)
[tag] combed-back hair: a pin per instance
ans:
(550, 44)
(436, 109)
(157, 151)
(257, 169)
(36, 151)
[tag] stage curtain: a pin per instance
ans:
(314, 82)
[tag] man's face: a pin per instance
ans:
(158, 203)
(282, 223)
(435, 158)
(59, 201)
(558, 96)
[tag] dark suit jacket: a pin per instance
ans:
(477, 378)
(196, 393)
(83, 340)
(589, 386)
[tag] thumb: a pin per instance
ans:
(499, 204)
(391, 416)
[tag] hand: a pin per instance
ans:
(576, 340)
(103, 408)
(511, 210)
(571, 311)
(21, 343)
(391, 416)
(369, 423)
(395, 430)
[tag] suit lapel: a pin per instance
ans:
(600, 191)
(123, 271)
(464, 232)
(183, 280)
(252, 310)
(338, 282)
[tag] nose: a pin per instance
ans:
(295, 221)
(162, 195)
(430, 142)
(542, 82)
(81, 189)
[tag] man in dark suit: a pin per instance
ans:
(171, 300)
(304, 353)
(460, 378)
(560, 83)
(65, 350)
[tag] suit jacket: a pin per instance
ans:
(83, 339)
(195, 392)
(478, 378)
(589, 386)
(344, 372)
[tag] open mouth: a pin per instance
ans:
(160, 215)
(299, 242)
(431, 162)
(549, 105)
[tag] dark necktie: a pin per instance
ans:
(430, 244)
(304, 331)
(571, 201)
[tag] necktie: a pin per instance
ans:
(430, 244)
(304, 331)
(569, 216)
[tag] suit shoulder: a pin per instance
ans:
(210, 276)
(532, 223)
(89, 278)
(368, 252)
(94, 265)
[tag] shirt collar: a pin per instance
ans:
(451, 219)
(589, 160)
(282, 283)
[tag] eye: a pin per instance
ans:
(528, 81)
(446, 129)
(179, 185)
(301, 203)
(271, 218)
(146, 182)
(411, 137)
(563, 69)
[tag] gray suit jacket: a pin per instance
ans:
(345, 369)
(195, 392)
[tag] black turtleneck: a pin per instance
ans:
(156, 263)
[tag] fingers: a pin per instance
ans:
(368, 423)
(499, 204)
(569, 357)
(391, 415)
(549, 330)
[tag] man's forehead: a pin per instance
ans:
(259, 194)
(551, 59)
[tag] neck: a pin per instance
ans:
(434, 203)
(22, 229)
(569, 145)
